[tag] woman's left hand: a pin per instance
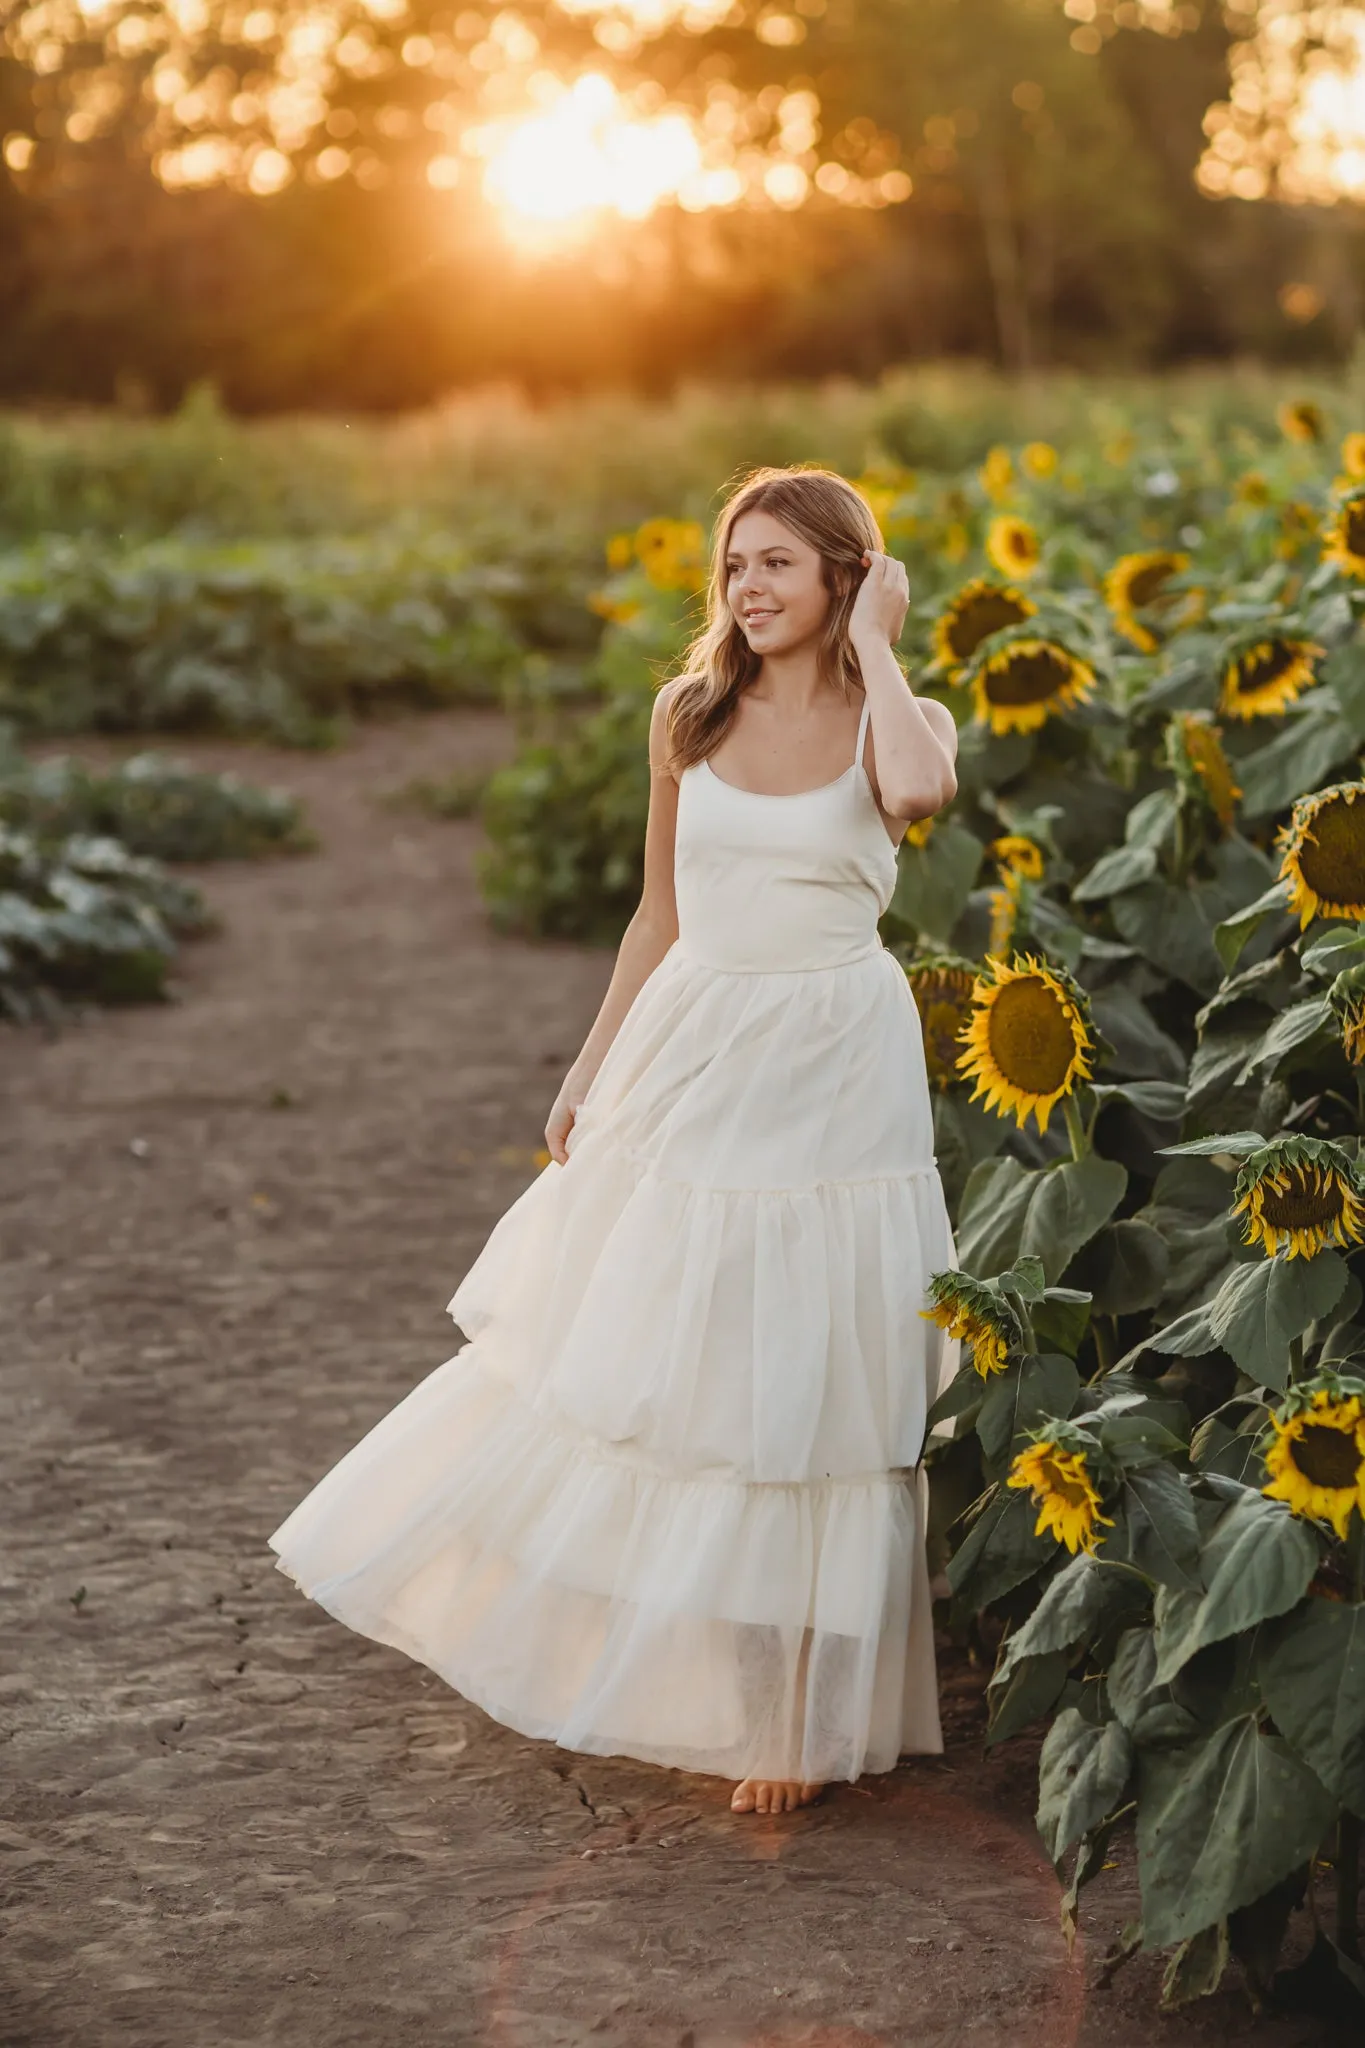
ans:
(883, 599)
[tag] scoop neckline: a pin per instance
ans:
(786, 796)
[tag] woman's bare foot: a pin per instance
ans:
(772, 1795)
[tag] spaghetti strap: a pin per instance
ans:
(863, 723)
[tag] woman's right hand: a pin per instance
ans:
(567, 1104)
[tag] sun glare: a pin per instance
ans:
(584, 154)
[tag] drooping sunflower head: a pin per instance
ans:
(1057, 1470)
(1347, 997)
(1345, 534)
(979, 1315)
(1027, 681)
(1323, 857)
(1195, 749)
(1301, 420)
(1263, 678)
(1300, 1195)
(1138, 583)
(1353, 457)
(1316, 1461)
(1016, 853)
(1013, 546)
(979, 609)
(941, 985)
(1029, 1041)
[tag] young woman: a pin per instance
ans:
(665, 1503)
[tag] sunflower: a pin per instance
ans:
(1039, 459)
(1029, 1040)
(673, 553)
(1353, 457)
(1004, 909)
(1324, 854)
(979, 609)
(1317, 1461)
(1064, 1488)
(1138, 583)
(1301, 420)
(918, 833)
(1252, 489)
(1196, 751)
(1025, 683)
(942, 989)
(976, 1313)
(620, 551)
(1012, 545)
(1349, 1006)
(996, 474)
(1017, 854)
(1262, 679)
(957, 543)
(1345, 534)
(1299, 1195)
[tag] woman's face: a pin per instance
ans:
(774, 585)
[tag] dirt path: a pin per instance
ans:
(230, 1228)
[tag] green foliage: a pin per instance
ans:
(1174, 1268)
(84, 920)
(285, 639)
(152, 806)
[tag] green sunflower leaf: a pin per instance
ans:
(1000, 1551)
(1041, 1388)
(1082, 1774)
(1261, 1308)
(1241, 1144)
(1256, 1564)
(1032, 1687)
(1294, 1027)
(1219, 1822)
(1068, 1204)
(1168, 927)
(1123, 868)
(1126, 1266)
(1312, 1673)
(991, 1216)
(1234, 933)
(1155, 1529)
(1299, 757)
(934, 881)
(1061, 1318)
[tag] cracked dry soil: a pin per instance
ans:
(230, 1226)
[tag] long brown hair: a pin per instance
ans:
(827, 513)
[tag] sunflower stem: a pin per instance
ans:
(1075, 1129)
(1296, 1358)
(1104, 1349)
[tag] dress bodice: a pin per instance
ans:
(773, 884)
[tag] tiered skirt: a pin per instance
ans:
(664, 1503)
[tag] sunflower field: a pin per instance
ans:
(1136, 940)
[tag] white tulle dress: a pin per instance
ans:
(664, 1503)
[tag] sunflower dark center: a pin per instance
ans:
(1266, 665)
(1030, 1037)
(1029, 677)
(1353, 528)
(1302, 1205)
(1332, 862)
(1327, 1456)
(981, 616)
(1147, 584)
